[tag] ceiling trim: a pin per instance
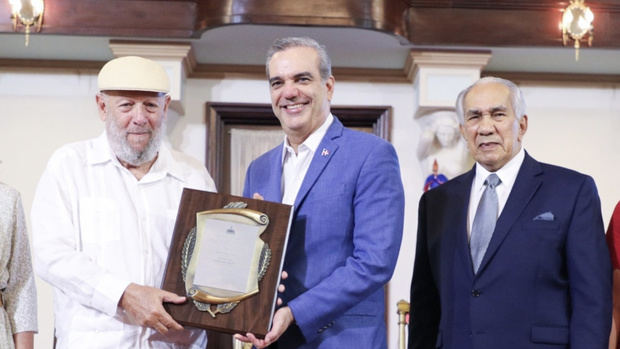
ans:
(223, 71)
(501, 24)
(137, 18)
(182, 51)
(445, 59)
(608, 5)
(60, 66)
(189, 19)
(555, 78)
(202, 71)
(479, 23)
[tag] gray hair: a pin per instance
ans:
(325, 64)
(516, 97)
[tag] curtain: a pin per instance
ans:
(245, 146)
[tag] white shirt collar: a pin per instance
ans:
(100, 152)
(507, 174)
(165, 164)
(313, 140)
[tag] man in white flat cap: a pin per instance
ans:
(103, 217)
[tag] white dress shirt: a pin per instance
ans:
(507, 174)
(295, 166)
(96, 229)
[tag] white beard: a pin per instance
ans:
(123, 150)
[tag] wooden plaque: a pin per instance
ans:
(252, 314)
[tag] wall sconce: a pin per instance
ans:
(27, 13)
(577, 23)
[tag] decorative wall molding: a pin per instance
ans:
(182, 51)
(501, 23)
(188, 19)
(220, 71)
(445, 58)
(438, 76)
(25, 65)
(555, 78)
(417, 22)
(204, 71)
(479, 23)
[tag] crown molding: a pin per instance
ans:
(222, 71)
(444, 58)
(156, 49)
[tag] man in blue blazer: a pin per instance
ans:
(541, 278)
(348, 203)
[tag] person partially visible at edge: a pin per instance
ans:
(512, 253)
(18, 298)
(103, 217)
(613, 243)
(348, 201)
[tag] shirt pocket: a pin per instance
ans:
(99, 224)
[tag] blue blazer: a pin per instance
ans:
(344, 239)
(544, 282)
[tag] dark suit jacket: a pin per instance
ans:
(344, 239)
(544, 282)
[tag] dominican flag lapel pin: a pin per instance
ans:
(325, 152)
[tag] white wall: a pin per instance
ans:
(38, 113)
(573, 126)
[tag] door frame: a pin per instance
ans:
(221, 116)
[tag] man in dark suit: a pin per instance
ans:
(348, 203)
(512, 253)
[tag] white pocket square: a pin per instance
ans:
(547, 216)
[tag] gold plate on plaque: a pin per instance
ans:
(228, 241)
(242, 228)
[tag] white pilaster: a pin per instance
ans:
(438, 76)
(177, 58)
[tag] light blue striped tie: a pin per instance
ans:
(484, 221)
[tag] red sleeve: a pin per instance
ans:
(613, 237)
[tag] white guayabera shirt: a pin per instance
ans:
(96, 229)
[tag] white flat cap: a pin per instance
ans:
(133, 73)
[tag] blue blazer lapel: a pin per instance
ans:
(273, 186)
(324, 153)
(527, 183)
